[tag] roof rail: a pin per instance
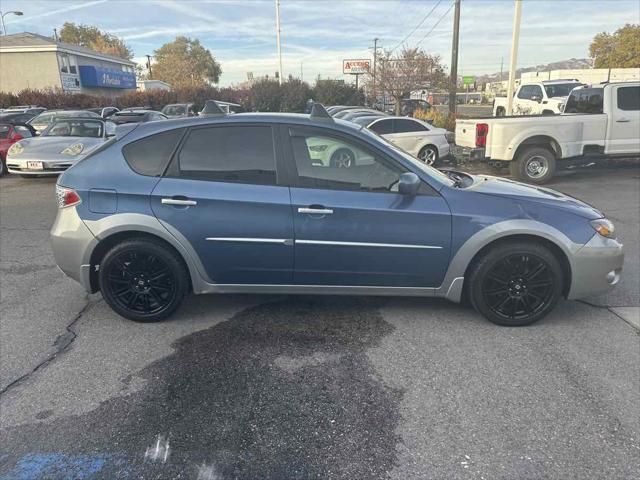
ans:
(318, 112)
(211, 108)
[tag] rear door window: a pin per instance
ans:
(150, 155)
(628, 98)
(405, 125)
(235, 154)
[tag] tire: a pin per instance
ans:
(500, 112)
(511, 291)
(535, 165)
(548, 112)
(343, 158)
(143, 280)
(3, 167)
(429, 155)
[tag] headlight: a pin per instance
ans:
(604, 227)
(73, 150)
(318, 148)
(15, 149)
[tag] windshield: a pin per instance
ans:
(75, 128)
(560, 89)
(174, 110)
(432, 172)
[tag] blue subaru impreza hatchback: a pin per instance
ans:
(285, 203)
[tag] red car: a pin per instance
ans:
(10, 134)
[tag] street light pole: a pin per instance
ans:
(15, 12)
(515, 39)
(375, 57)
(453, 81)
(278, 41)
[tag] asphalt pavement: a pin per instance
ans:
(279, 387)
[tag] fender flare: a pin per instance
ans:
(469, 249)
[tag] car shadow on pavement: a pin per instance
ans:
(280, 390)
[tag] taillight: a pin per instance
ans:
(482, 130)
(67, 197)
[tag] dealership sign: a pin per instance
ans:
(356, 66)
(91, 76)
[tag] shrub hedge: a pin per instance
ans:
(264, 96)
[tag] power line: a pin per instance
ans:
(418, 26)
(436, 24)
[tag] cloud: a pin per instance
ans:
(48, 13)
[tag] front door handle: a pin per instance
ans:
(315, 210)
(178, 201)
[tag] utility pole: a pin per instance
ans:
(453, 81)
(149, 64)
(515, 39)
(501, 68)
(278, 40)
(375, 57)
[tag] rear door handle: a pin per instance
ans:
(178, 201)
(315, 210)
(623, 120)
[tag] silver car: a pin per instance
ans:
(43, 120)
(65, 142)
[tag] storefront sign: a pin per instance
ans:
(356, 66)
(91, 76)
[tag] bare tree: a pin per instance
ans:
(411, 69)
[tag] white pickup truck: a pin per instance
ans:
(537, 98)
(600, 121)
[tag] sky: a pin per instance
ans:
(316, 35)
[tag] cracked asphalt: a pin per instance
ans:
(279, 387)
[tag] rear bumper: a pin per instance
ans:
(468, 154)
(72, 243)
(596, 267)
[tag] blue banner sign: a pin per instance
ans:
(91, 76)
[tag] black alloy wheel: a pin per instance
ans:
(143, 280)
(517, 284)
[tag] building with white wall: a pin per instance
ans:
(29, 60)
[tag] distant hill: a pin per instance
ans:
(571, 64)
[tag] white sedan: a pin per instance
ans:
(423, 141)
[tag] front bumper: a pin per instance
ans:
(596, 267)
(72, 244)
(49, 167)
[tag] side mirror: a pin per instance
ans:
(536, 98)
(408, 184)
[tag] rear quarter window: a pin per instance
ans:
(151, 155)
(585, 100)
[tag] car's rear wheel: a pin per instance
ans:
(2, 166)
(343, 158)
(143, 280)
(535, 165)
(429, 155)
(516, 284)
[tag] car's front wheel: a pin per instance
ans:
(2, 166)
(343, 158)
(515, 284)
(143, 280)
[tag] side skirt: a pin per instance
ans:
(451, 292)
